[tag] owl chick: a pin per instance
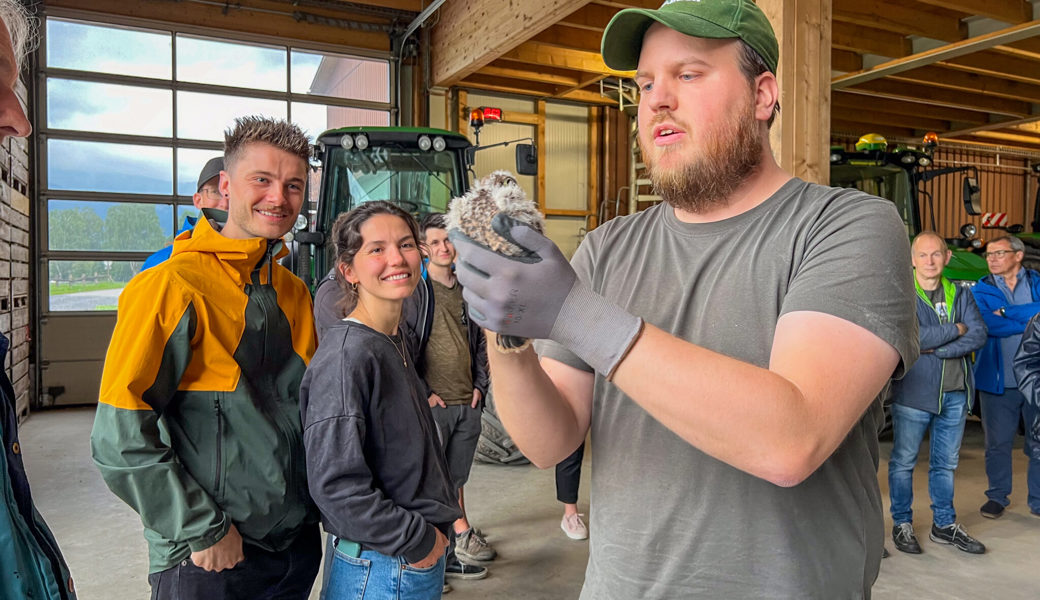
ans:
(472, 212)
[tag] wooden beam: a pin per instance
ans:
(565, 212)
(1008, 11)
(583, 84)
(856, 128)
(903, 18)
(860, 39)
(997, 64)
(865, 103)
(471, 33)
(569, 37)
(800, 137)
(1004, 124)
(540, 143)
(595, 124)
(930, 95)
(845, 61)
(240, 18)
(876, 117)
(537, 53)
(527, 75)
(993, 143)
(592, 17)
(1026, 48)
(1010, 136)
(970, 82)
(975, 44)
(577, 95)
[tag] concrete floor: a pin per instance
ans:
(516, 508)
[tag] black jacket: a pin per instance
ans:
(374, 465)
(416, 321)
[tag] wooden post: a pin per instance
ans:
(540, 142)
(594, 167)
(801, 134)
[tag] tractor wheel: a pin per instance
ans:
(495, 446)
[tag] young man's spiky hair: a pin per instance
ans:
(276, 132)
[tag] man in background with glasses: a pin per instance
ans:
(1008, 298)
(207, 195)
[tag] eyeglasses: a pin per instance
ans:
(211, 192)
(998, 253)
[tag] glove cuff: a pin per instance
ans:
(597, 330)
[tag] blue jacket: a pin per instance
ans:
(31, 566)
(921, 387)
(164, 253)
(989, 366)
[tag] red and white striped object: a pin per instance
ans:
(994, 219)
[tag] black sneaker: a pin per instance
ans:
(992, 509)
(884, 552)
(954, 534)
(460, 570)
(904, 538)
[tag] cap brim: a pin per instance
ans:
(623, 37)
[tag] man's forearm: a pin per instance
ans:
(757, 420)
(544, 423)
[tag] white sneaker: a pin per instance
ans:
(574, 527)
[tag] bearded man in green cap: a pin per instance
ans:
(726, 348)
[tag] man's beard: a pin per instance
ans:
(705, 182)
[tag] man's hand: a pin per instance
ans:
(225, 554)
(439, 546)
(435, 400)
(477, 396)
(538, 295)
(961, 328)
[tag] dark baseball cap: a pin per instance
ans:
(213, 168)
(719, 19)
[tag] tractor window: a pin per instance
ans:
(885, 181)
(419, 182)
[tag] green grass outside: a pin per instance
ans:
(57, 289)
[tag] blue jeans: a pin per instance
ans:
(375, 576)
(1000, 416)
(946, 430)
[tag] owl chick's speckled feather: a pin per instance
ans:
(472, 212)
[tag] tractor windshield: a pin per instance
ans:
(885, 181)
(418, 181)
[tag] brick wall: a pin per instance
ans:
(14, 261)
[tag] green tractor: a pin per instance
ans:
(897, 175)
(418, 169)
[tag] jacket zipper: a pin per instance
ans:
(218, 448)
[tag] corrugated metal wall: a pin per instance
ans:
(1004, 182)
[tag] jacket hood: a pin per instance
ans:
(239, 257)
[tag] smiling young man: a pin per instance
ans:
(198, 422)
(726, 347)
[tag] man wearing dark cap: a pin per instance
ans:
(726, 348)
(207, 195)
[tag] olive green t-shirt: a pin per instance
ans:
(668, 520)
(448, 370)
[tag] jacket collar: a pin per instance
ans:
(239, 258)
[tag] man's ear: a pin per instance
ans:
(225, 185)
(196, 199)
(767, 94)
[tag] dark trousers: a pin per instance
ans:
(568, 474)
(263, 575)
(1001, 414)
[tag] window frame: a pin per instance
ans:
(43, 193)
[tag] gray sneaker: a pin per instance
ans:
(471, 545)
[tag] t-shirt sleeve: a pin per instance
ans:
(582, 263)
(855, 265)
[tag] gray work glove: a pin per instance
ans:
(538, 295)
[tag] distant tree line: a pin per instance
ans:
(126, 227)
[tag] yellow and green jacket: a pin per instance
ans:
(198, 421)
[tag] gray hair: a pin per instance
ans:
(21, 26)
(1016, 244)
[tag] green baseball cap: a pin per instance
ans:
(720, 19)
